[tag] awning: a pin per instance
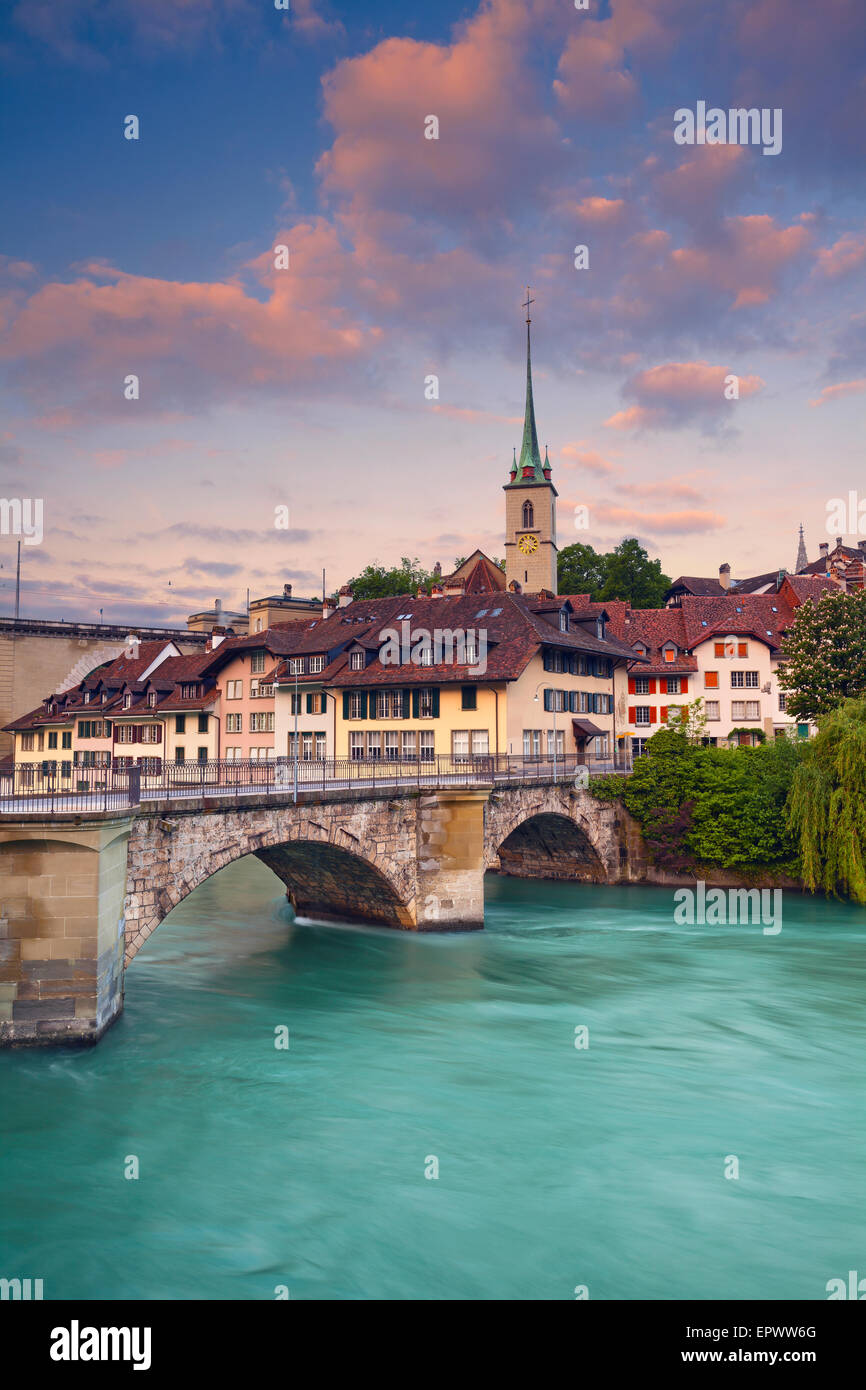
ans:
(584, 728)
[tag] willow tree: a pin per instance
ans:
(826, 809)
(824, 654)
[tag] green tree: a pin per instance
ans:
(824, 654)
(581, 570)
(377, 582)
(632, 575)
(826, 809)
(689, 720)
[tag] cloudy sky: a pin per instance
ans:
(304, 387)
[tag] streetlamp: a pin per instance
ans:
(297, 703)
(553, 710)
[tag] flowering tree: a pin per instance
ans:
(824, 654)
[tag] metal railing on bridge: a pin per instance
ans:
(41, 788)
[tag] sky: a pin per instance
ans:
(304, 386)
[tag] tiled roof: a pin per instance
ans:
(478, 574)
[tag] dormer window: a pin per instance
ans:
(87, 697)
(127, 701)
(599, 628)
(528, 515)
(669, 653)
(356, 661)
(563, 620)
(151, 699)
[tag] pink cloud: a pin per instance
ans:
(676, 392)
(838, 392)
(588, 459)
(673, 522)
(843, 256)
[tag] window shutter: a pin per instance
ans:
(159, 733)
(372, 704)
(345, 704)
(548, 699)
(547, 659)
(363, 704)
(631, 685)
(684, 686)
(309, 704)
(654, 715)
(663, 687)
(742, 649)
(664, 714)
(108, 728)
(407, 703)
(436, 704)
(415, 703)
(632, 714)
(652, 685)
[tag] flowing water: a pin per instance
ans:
(304, 1167)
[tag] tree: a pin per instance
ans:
(827, 804)
(581, 570)
(824, 654)
(377, 582)
(689, 720)
(632, 575)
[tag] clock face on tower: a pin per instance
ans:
(528, 545)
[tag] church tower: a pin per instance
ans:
(530, 505)
(802, 560)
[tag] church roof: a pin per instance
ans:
(478, 574)
(529, 467)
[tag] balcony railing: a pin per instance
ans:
(37, 788)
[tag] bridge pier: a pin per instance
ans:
(450, 857)
(62, 890)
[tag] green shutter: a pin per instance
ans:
(436, 704)
(415, 703)
(372, 710)
(407, 704)
(309, 704)
(363, 704)
(345, 704)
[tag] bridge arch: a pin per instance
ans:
(555, 832)
(328, 870)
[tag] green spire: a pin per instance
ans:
(529, 452)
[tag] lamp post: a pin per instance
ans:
(297, 707)
(553, 711)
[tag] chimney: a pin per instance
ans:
(328, 607)
(287, 591)
(436, 591)
(131, 647)
(218, 606)
(861, 546)
(838, 542)
(725, 576)
(346, 595)
(823, 549)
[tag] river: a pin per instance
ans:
(303, 1168)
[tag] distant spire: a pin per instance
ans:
(802, 558)
(529, 453)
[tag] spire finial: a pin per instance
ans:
(527, 303)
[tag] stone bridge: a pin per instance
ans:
(79, 895)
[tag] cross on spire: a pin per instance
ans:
(526, 305)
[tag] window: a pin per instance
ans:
(712, 709)
(298, 705)
(392, 745)
(151, 733)
(374, 745)
(66, 739)
(424, 652)
(356, 747)
(409, 744)
(307, 748)
(751, 679)
(711, 680)
(389, 704)
(718, 649)
(52, 740)
(87, 697)
(127, 701)
(321, 745)
(234, 724)
(460, 743)
(202, 755)
(642, 714)
(670, 654)
(28, 743)
(180, 755)
(468, 697)
(254, 688)
(151, 699)
(470, 651)
(641, 685)
(742, 649)
(528, 515)
(638, 747)
(428, 746)
(563, 620)
(203, 720)
(296, 666)
(481, 743)
(262, 723)
(425, 705)
(190, 690)
(355, 705)
(317, 663)
(356, 661)
(673, 685)
(259, 624)
(180, 723)
(783, 701)
(560, 742)
(234, 690)
(257, 662)
(753, 709)
(737, 681)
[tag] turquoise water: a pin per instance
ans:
(557, 1167)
